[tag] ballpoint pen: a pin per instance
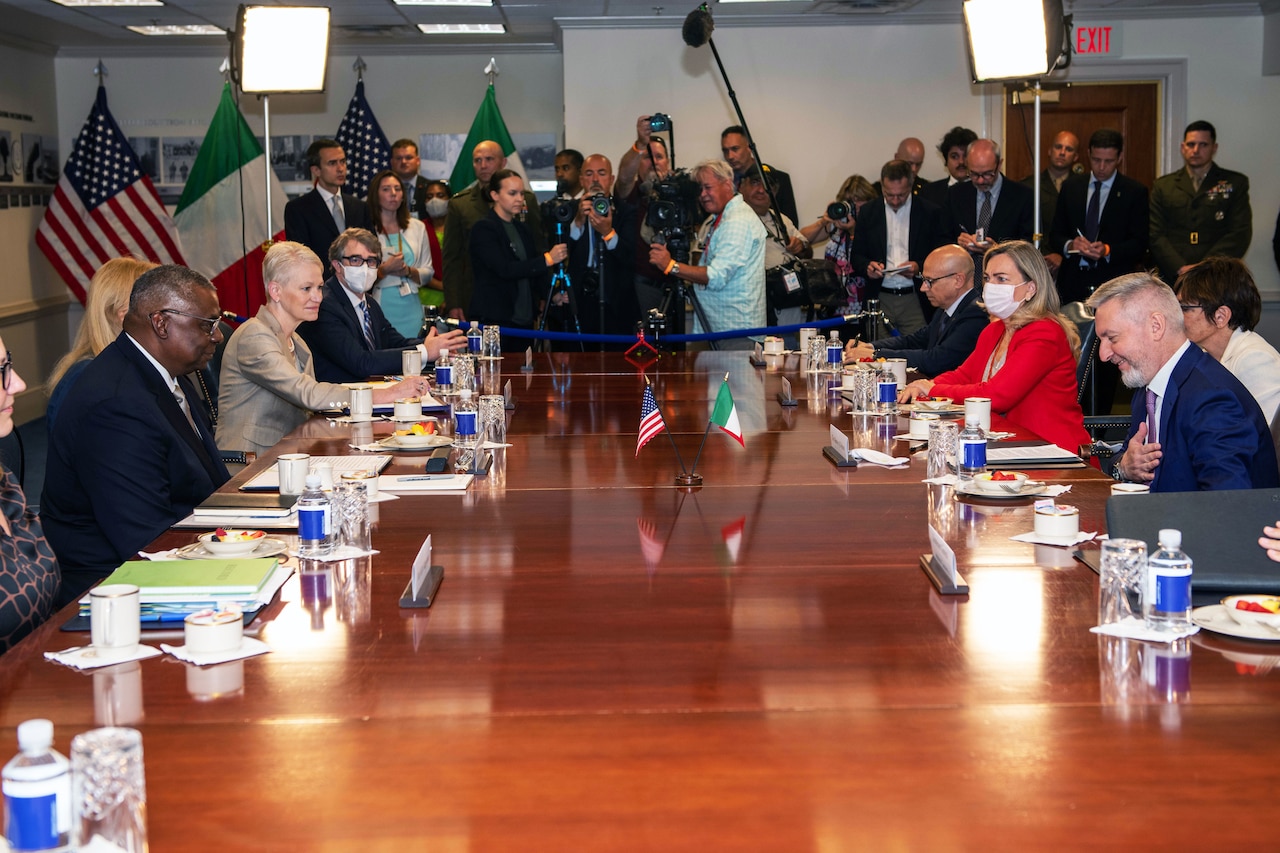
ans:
(424, 477)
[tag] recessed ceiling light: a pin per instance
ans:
(179, 30)
(464, 29)
(108, 2)
(443, 2)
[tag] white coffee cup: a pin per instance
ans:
(978, 409)
(411, 362)
(369, 478)
(773, 345)
(899, 368)
(848, 380)
(408, 409)
(291, 469)
(920, 424)
(213, 632)
(115, 625)
(324, 470)
(361, 402)
(1130, 489)
(1058, 521)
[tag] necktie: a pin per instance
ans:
(1151, 416)
(181, 399)
(339, 218)
(938, 330)
(368, 323)
(1094, 212)
(984, 215)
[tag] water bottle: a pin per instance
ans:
(315, 520)
(464, 421)
(835, 353)
(444, 373)
(37, 791)
(474, 339)
(886, 389)
(1166, 596)
(972, 454)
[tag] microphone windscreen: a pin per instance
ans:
(697, 27)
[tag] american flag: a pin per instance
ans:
(651, 422)
(104, 207)
(364, 143)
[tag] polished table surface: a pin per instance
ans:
(614, 663)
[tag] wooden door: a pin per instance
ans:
(1082, 108)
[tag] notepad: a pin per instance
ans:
(269, 480)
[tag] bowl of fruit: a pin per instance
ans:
(232, 542)
(933, 404)
(421, 434)
(1000, 482)
(1254, 609)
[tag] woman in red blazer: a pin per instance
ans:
(1025, 360)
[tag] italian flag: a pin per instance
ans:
(223, 210)
(488, 125)
(725, 414)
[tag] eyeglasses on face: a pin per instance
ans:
(984, 176)
(929, 282)
(207, 325)
(359, 260)
(1186, 308)
(6, 371)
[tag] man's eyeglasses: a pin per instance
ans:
(6, 371)
(984, 176)
(359, 260)
(206, 324)
(929, 282)
(1186, 308)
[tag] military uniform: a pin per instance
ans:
(1189, 226)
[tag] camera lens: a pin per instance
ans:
(600, 204)
(838, 210)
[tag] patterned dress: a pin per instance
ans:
(29, 574)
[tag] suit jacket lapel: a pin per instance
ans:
(206, 451)
(1181, 371)
(347, 310)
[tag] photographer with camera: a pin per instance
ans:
(836, 227)
(783, 247)
(643, 164)
(730, 287)
(601, 249)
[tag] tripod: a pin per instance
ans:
(560, 284)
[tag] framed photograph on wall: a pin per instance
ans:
(179, 154)
(147, 149)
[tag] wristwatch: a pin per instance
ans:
(675, 268)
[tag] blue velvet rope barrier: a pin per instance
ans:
(678, 339)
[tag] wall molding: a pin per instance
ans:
(24, 312)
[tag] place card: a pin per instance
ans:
(941, 566)
(785, 397)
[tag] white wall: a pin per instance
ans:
(823, 103)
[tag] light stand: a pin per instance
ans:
(279, 50)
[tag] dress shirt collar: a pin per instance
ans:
(169, 379)
(955, 306)
(327, 197)
(346, 291)
(1160, 382)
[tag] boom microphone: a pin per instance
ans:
(697, 27)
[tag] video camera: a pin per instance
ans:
(561, 211)
(674, 212)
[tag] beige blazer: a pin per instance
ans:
(265, 391)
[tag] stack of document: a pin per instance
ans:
(1030, 455)
(171, 589)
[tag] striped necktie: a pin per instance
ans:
(368, 323)
(1151, 416)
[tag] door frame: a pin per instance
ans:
(1170, 75)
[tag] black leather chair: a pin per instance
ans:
(1097, 425)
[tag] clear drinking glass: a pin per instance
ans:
(943, 436)
(817, 353)
(351, 501)
(464, 373)
(493, 419)
(491, 342)
(864, 387)
(109, 790)
(1120, 579)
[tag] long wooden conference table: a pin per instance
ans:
(616, 663)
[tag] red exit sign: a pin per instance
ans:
(1101, 40)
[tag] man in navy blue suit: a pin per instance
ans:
(951, 335)
(1195, 427)
(315, 219)
(342, 348)
(132, 451)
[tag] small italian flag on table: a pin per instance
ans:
(725, 414)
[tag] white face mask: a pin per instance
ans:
(437, 207)
(999, 299)
(359, 279)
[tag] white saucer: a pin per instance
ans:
(248, 648)
(268, 547)
(1214, 617)
(392, 442)
(1029, 489)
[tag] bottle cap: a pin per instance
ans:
(313, 481)
(465, 393)
(1170, 538)
(35, 735)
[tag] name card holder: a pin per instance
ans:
(940, 566)
(837, 452)
(424, 582)
(785, 397)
